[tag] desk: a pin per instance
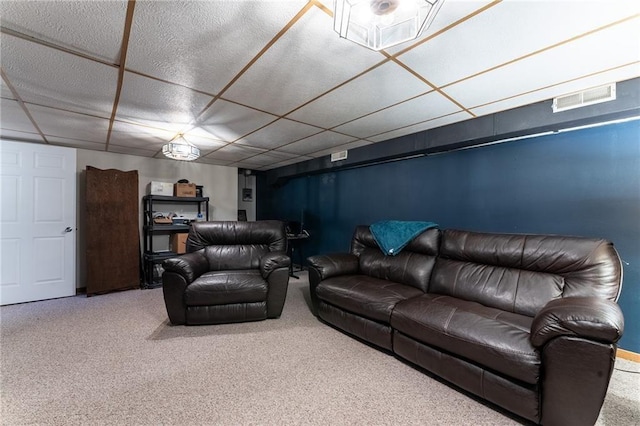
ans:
(294, 241)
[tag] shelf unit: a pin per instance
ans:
(152, 259)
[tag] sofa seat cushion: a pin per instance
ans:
(490, 337)
(370, 297)
(224, 287)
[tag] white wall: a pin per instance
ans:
(219, 183)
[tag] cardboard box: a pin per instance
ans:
(161, 188)
(185, 189)
(179, 242)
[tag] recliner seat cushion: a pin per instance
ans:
(226, 287)
(487, 336)
(370, 297)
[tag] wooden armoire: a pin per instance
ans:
(111, 235)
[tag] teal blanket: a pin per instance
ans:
(393, 235)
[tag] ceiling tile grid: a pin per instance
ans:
(263, 84)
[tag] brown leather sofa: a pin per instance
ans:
(527, 322)
(232, 272)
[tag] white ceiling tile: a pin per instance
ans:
(345, 147)
(133, 150)
(375, 90)
(69, 125)
(508, 31)
(48, 77)
(203, 142)
(450, 12)
(214, 161)
(6, 92)
(588, 55)
(159, 104)
(76, 143)
(279, 133)
(429, 106)
(286, 162)
(321, 141)
(13, 117)
(419, 127)
(617, 75)
(235, 152)
(21, 136)
(89, 27)
(268, 159)
(193, 51)
(306, 62)
(228, 121)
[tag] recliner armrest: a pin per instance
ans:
(272, 261)
(591, 318)
(330, 265)
(189, 265)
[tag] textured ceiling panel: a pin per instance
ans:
(5, 91)
(13, 117)
(194, 51)
(345, 147)
(378, 89)
(158, 104)
(258, 84)
(429, 106)
(425, 125)
(88, 27)
(315, 143)
(619, 74)
(461, 52)
(307, 61)
(610, 48)
(48, 77)
(69, 125)
(228, 121)
(280, 133)
(235, 152)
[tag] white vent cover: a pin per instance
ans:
(337, 156)
(584, 98)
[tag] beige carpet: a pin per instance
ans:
(115, 360)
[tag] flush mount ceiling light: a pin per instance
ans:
(181, 149)
(379, 24)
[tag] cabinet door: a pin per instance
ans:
(113, 247)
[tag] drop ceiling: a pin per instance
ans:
(264, 84)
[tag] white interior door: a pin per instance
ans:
(37, 222)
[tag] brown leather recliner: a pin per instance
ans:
(232, 272)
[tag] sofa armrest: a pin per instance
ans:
(590, 318)
(272, 261)
(190, 266)
(330, 265)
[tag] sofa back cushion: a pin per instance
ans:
(412, 266)
(236, 245)
(521, 273)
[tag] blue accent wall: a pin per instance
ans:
(583, 182)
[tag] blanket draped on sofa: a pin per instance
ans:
(393, 235)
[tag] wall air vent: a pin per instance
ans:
(584, 98)
(337, 156)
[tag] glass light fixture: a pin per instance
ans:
(181, 149)
(379, 24)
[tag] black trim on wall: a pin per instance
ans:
(518, 122)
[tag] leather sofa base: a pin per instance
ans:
(220, 314)
(370, 331)
(503, 392)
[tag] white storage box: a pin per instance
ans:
(161, 188)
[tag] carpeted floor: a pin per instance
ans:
(115, 360)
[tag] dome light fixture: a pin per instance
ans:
(181, 149)
(380, 24)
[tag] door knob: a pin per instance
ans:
(68, 229)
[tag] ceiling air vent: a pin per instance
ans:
(337, 156)
(584, 98)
